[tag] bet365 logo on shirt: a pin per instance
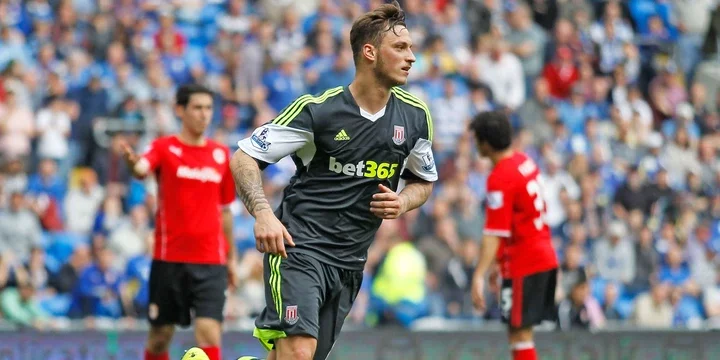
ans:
(364, 168)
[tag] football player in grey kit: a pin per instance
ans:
(351, 145)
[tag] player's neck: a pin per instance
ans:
(189, 139)
(369, 94)
(500, 155)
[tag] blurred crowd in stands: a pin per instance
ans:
(617, 101)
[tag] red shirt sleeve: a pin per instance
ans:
(152, 155)
(227, 188)
(498, 213)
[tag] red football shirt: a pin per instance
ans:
(515, 213)
(194, 183)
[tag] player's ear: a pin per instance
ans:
(370, 52)
(179, 111)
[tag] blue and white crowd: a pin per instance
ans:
(617, 101)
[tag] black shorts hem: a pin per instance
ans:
(529, 300)
(180, 292)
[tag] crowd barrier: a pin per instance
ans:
(381, 344)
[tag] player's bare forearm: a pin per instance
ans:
(227, 227)
(488, 250)
(248, 182)
(415, 193)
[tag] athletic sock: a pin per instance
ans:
(213, 352)
(149, 356)
(524, 351)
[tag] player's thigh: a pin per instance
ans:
(169, 302)
(207, 287)
(294, 291)
(334, 312)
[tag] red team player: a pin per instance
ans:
(516, 234)
(193, 232)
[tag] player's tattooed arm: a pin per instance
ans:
(248, 182)
(271, 236)
(415, 193)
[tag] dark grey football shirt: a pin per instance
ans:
(342, 153)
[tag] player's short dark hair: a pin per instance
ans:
(494, 128)
(184, 92)
(370, 28)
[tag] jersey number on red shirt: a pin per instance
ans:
(535, 191)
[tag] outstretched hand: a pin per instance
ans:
(387, 204)
(130, 156)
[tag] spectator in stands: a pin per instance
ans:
(625, 145)
(693, 19)
(574, 111)
(684, 117)
(282, 85)
(340, 73)
(65, 280)
(666, 91)
(82, 203)
(598, 106)
(653, 309)
(457, 280)
(646, 261)
(564, 35)
(17, 127)
(250, 299)
(556, 180)
(47, 181)
(533, 113)
(614, 255)
(38, 274)
(561, 73)
(502, 71)
(660, 194)
(572, 269)
(97, 293)
(527, 40)
(709, 162)
(127, 240)
(93, 102)
(134, 291)
(20, 306)
(630, 196)
(399, 294)
(610, 48)
(453, 28)
(579, 310)
(236, 19)
(53, 123)
(711, 303)
(612, 17)
(610, 301)
(109, 165)
(680, 157)
(687, 310)
(19, 229)
(14, 179)
(674, 271)
(109, 216)
(438, 245)
(452, 111)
